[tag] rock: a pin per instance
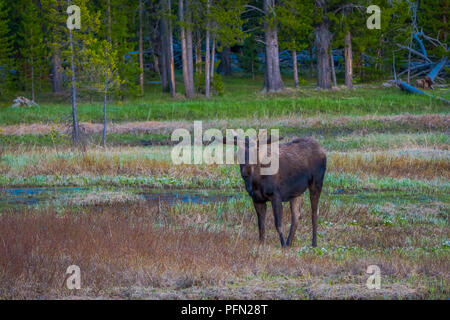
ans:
(23, 102)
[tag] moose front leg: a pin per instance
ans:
(277, 207)
(260, 208)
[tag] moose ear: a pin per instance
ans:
(271, 139)
(224, 140)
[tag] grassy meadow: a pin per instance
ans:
(386, 199)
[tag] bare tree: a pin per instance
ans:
(75, 133)
(213, 54)
(348, 55)
(295, 68)
(333, 70)
(207, 53)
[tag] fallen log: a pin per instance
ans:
(417, 53)
(409, 88)
(435, 71)
(420, 42)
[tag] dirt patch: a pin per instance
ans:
(279, 289)
(430, 121)
(360, 291)
(92, 128)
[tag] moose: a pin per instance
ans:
(302, 164)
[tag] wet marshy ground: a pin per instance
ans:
(12, 197)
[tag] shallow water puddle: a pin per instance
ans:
(34, 196)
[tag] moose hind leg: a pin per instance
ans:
(260, 208)
(277, 207)
(295, 216)
(314, 195)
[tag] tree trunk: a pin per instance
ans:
(253, 70)
(348, 55)
(207, 53)
(57, 73)
(105, 97)
(32, 79)
(213, 54)
(104, 106)
(273, 81)
(163, 55)
(189, 48)
(294, 67)
(141, 49)
(362, 67)
(171, 62)
(184, 55)
(225, 62)
(108, 5)
(198, 53)
(333, 70)
(75, 134)
(311, 63)
(165, 48)
(323, 39)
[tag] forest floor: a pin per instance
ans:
(141, 228)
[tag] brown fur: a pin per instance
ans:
(302, 165)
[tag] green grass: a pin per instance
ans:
(242, 100)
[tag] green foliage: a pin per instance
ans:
(248, 59)
(226, 16)
(6, 51)
(217, 84)
(33, 32)
(33, 49)
(296, 23)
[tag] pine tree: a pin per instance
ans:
(295, 18)
(32, 48)
(6, 51)
(249, 56)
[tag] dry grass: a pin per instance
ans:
(120, 247)
(136, 162)
(123, 247)
(385, 164)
